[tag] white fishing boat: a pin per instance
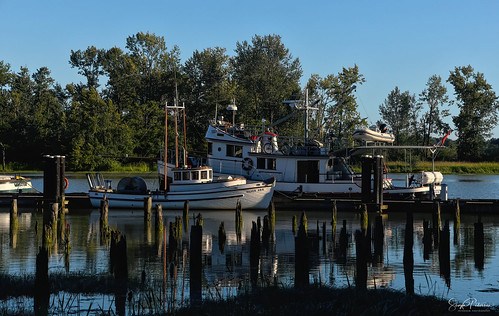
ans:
(373, 134)
(15, 184)
(302, 166)
(184, 183)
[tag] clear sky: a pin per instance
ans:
(394, 43)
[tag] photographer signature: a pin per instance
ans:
(467, 304)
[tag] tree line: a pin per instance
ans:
(118, 110)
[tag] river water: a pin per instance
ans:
(223, 273)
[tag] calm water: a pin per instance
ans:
(223, 273)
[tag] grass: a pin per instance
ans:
(448, 167)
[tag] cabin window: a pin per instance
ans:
(234, 151)
(195, 175)
(176, 175)
(271, 164)
(185, 175)
(204, 174)
(210, 148)
(260, 163)
(210, 173)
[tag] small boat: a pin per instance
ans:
(15, 184)
(184, 183)
(373, 134)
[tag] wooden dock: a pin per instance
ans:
(491, 206)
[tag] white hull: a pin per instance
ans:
(12, 184)
(251, 195)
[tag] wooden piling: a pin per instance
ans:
(294, 224)
(147, 209)
(222, 237)
(304, 222)
(195, 262)
(334, 215)
(324, 238)
(444, 253)
(479, 244)
(14, 224)
(271, 213)
(301, 255)
(158, 219)
(408, 260)
(379, 235)
(427, 240)
(254, 253)
(343, 240)
(457, 222)
(42, 286)
(361, 261)
(364, 219)
(239, 219)
(185, 216)
(118, 255)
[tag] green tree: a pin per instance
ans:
(266, 75)
(435, 96)
(478, 111)
(337, 103)
(400, 111)
(209, 85)
(89, 64)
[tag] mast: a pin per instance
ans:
(185, 134)
(166, 147)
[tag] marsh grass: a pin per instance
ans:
(447, 167)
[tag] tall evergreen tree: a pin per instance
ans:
(478, 111)
(435, 96)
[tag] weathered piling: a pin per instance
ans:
(104, 228)
(334, 219)
(147, 209)
(266, 230)
(444, 253)
(259, 226)
(343, 240)
(294, 224)
(457, 222)
(196, 266)
(14, 224)
(67, 245)
(185, 216)
(304, 222)
(254, 253)
(379, 235)
(427, 240)
(301, 255)
(222, 237)
(437, 224)
(367, 164)
(479, 243)
(158, 220)
(361, 261)
(239, 219)
(271, 213)
(118, 256)
(324, 238)
(364, 218)
(42, 286)
(408, 254)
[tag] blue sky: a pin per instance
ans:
(394, 43)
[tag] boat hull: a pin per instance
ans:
(251, 195)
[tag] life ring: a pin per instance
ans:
(66, 183)
(247, 164)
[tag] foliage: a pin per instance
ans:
(435, 97)
(400, 111)
(266, 75)
(337, 106)
(478, 111)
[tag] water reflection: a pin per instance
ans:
(406, 252)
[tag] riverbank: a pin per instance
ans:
(446, 167)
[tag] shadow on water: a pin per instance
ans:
(134, 262)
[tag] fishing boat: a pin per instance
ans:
(15, 184)
(374, 134)
(302, 166)
(184, 183)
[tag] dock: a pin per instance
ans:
(469, 206)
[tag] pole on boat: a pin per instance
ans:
(166, 147)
